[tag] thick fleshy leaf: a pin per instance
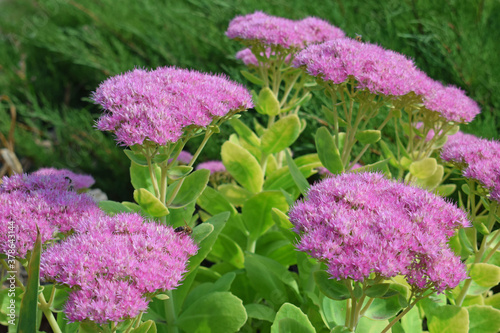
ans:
(257, 211)
(432, 181)
(252, 78)
(259, 311)
(140, 177)
(377, 166)
(282, 178)
(411, 321)
(150, 203)
(178, 172)
(483, 319)
(113, 207)
(382, 309)
(267, 102)
(446, 190)
(283, 222)
(235, 194)
(297, 176)
(228, 250)
(29, 303)
(136, 157)
(244, 132)
(222, 284)
(377, 290)
(331, 288)
(368, 136)
(485, 275)
(448, 318)
(291, 319)
(191, 188)
(281, 134)
(243, 166)
(146, 327)
(423, 168)
(328, 152)
(215, 312)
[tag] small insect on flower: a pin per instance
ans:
(359, 37)
(186, 229)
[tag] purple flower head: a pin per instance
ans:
(478, 158)
(267, 30)
(149, 256)
(374, 68)
(105, 301)
(183, 158)
(247, 57)
(213, 166)
(451, 103)
(34, 182)
(363, 223)
(35, 204)
(77, 181)
(157, 105)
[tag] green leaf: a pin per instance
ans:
(368, 136)
(480, 223)
(423, 168)
(432, 181)
(411, 321)
(367, 325)
(333, 311)
(377, 290)
(283, 222)
(201, 231)
(291, 319)
(328, 153)
(303, 100)
(214, 202)
(464, 241)
(252, 78)
(268, 103)
(89, 327)
(483, 319)
(29, 303)
(113, 207)
(281, 134)
(191, 188)
(229, 251)
(150, 203)
(242, 166)
(222, 284)
(384, 308)
(146, 327)
(215, 312)
(257, 211)
(331, 288)
(282, 178)
(140, 178)
(261, 312)
(297, 176)
(235, 194)
(446, 190)
(493, 300)
(485, 275)
(377, 166)
(178, 172)
(448, 319)
(388, 154)
(136, 157)
(245, 132)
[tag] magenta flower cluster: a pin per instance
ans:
(158, 105)
(478, 159)
(114, 265)
(77, 181)
(213, 166)
(43, 201)
(383, 72)
(183, 158)
(267, 30)
(363, 223)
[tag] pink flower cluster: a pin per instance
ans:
(213, 166)
(43, 201)
(478, 158)
(183, 158)
(158, 105)
(267, 30)
(113, 264)
(384, 72)
(77, 181)
(363, 223)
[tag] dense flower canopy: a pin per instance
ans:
(270, 30)
(362, 223)
(119, 251)
(158, 105)
(478, 159)
(43, 201)
(77, 181)
(379, 70)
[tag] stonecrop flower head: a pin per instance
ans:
(213, 166)
(183, 158)
(266, 30)
(77, 181)
(478, 159)
(374, 68)
(28, 202)
(126, 257)
(363, 223)
(158, 105)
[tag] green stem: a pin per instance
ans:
(208, 134)
(44, 306)
(405, 311)
(251, 243)
(479, 254)
(152, 174)
(170, 315)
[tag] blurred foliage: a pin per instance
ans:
(54, 53)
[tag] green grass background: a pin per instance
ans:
(54, 53)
